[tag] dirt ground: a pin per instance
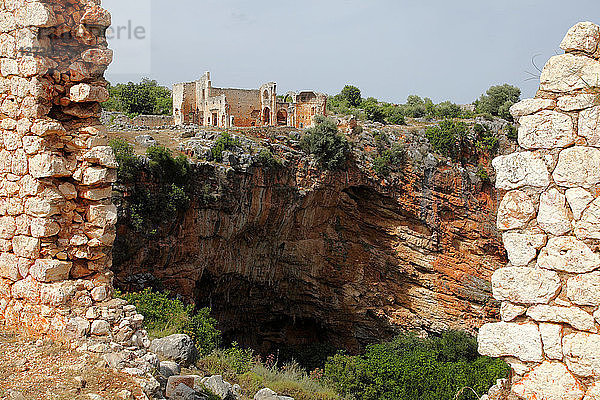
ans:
(40, 371)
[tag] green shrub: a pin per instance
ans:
(352, 95)
(411, 368)
(223, 143)
(129, 163)
(330, 148)
(389, 160)
(498, 100)
(511, 132)
(165, 167)
(447, 137)
(486, 141)
(267, 159)
(165, 316)
(447, 109)
(396, 117)
(482, 173)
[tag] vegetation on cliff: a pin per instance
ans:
(330, 148)
(144, 98)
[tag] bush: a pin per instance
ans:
(447, 137)
(511, 132)
(447, 110)
(223, 143)
(389, 160)
(330, 148)
(164, 316)
(352, 95)
(165, 167)
(146, 97)
(267, 159)
(129, 163)
(498, 100)
(486, 142)
(411, 368)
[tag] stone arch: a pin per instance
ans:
(282, 117)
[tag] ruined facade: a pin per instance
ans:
(550, 216)
(57, 222)
(202, 104)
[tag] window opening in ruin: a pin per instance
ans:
(215, 119)
(266, 116)
(281, 117)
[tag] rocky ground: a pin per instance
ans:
(38, 370)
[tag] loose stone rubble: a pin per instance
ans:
(550, 218)
(57, 222)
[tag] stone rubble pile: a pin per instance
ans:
(550, 219)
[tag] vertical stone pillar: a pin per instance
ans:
(550, 219)
(57, 222)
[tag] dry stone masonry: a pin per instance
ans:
(550, 219)
(57, 222)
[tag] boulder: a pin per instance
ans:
(549, 381)
(176, 380)
(145, 140)
(525, 285)
(169, 368)
(521, 169)
(566, 253)
(584, 289)
(578, 166)
(268, 394)
(546, 130)
(515, 210)
(179, 348)
(219, 387)
(520, 340)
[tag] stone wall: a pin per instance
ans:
(57, 222)
(550, 216)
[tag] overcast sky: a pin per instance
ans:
(446, 50)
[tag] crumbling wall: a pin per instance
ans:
(57, 222)
(550, 216)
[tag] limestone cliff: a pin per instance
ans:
(299, 255)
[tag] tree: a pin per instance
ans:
(352, 95)
(447, 137)
(325, 142)
(146, 97)
(498, 100)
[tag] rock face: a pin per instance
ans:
(350, 258)
(557, 289)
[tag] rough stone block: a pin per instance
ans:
(569, 72)
(581, 352)
(48, 165)
(500, 339)
(588, 226)
(509, 311)
(546, 130)
(549, 381)
(521, 169)
(584, 289)
(9, 267)
(577, 102)
(525, 285)
(85, 93)
(102, 215)
(584, 36)
(25, 246)
(49, 270)
(589, 125)
(578, 199)
(566, 253)
(552, 340)
(522, 247)
(553, 216)
(515, 210)
(573, 316)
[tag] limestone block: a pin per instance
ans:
(525, 285)
(530, 106)
(9, 67)
(96, 175)
(573, 316)
(521, 169)
(569, 72)
(511, 339)
(549, 381)
(49, 270)
(553, 216)
(57, 294)
(9, 267)
(7, 227)
(47, 127)
(593, 392)
(588, 226)
(100, 327)
(589, 126)
(68, 190)
(28, 289)
(44, 227)
(582, 353)
(36, 14)
(42, 207)
(515, 210)
(7, 22)
(101, 57)
(48, 165)
(522, 247)
(78, 327)
(102, 155)
(584, 289)
(96, 15)
(83, 93)
(577, 102)
(552, 340)
(99, 293)
(96, 194)
(102, 215)
(566, 253)
(578, 199)
(584, 36)
(546, 130)
(509, 311)
(25, 246)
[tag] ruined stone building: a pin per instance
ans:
(202, 104)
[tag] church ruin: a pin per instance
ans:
(202, 104)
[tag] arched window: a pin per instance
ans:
(265, 95)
